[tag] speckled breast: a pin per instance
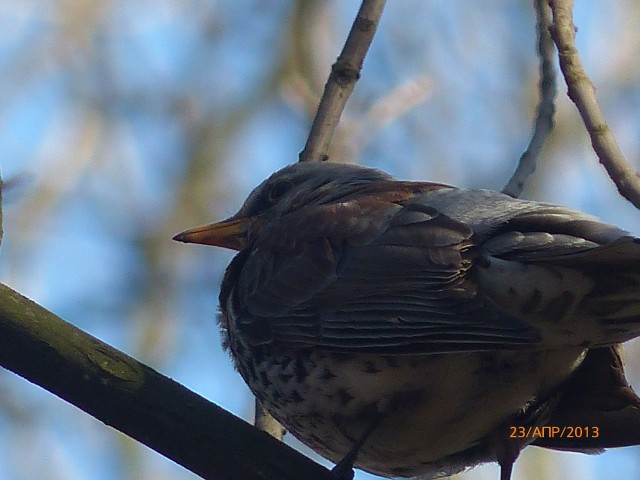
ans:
(436, 409)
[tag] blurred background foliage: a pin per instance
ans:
(124, 122)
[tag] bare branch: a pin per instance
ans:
(138, 401)
(582, 93)
(344, 74)
(545, 112)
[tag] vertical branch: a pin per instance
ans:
(582, 92)
(341, 82)
(344, 74)
(547, 91)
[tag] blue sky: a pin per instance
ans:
(123, 123)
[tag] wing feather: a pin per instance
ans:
(403, 288)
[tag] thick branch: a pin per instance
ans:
(344, 74)
(547, 91)
(138, 401)
(583, 94)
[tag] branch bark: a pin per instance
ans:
(138, 401)
(344, 74)
(582, 92)
(547, 91)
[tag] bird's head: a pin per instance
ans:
(295, 186)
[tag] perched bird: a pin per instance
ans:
(417, 329)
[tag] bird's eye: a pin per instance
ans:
(278, 190)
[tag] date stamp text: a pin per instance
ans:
(549, 431)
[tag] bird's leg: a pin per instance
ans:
(506, 465)
(344, 468)
(507, 452)
(508, 449)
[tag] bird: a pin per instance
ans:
(415, 329)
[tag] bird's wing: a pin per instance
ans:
(411, 277)
(597, 408)
(573, 277)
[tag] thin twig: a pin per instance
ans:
(545, 112)
(344, 74)
(342, 79)
(582, 92)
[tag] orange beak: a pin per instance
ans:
(230, 233)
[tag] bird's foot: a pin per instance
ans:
(343, 470)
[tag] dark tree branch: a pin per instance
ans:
(583, 94)
(545, 112)
(344, 74)
(138, 401)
